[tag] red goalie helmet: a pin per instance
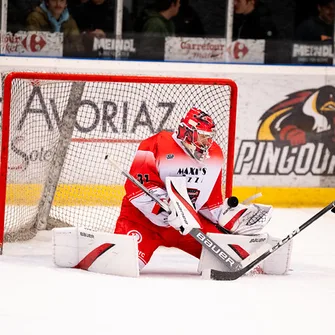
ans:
(196, 130)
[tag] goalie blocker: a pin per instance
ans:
(106, 253)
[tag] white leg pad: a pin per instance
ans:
(277, 263)
(249, 244)
(114, 254)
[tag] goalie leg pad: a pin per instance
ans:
(106, 253)
(279, 262)
(243, 246)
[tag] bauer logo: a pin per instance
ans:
(86, 234)
(295, 136)
(257, 240)
(215, 248)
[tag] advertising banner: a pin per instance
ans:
(139, 47)
(39, 43)
(214, 50)
(285, 134)
(286, 131)
(312, 53)
(111, 48)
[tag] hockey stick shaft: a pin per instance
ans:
(164, 205)
(221, 275)
(196, 233)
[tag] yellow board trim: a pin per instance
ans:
(67, 195)
(111, 195)
(289, 196)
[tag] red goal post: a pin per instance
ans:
(58, 127)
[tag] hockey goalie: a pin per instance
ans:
(157, 162)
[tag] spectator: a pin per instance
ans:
(14, 22)
(18, 10)
(187, 21)
(252, 20)
(74, 3)
(97, 18)
(53, 16)
(156, 20)
(318, 28)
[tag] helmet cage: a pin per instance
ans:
(196, 131)
(198, 141)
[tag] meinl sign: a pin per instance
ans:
(312, 53)
(108, 47)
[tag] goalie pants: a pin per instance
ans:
(150, 237)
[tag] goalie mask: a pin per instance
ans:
(196, 131)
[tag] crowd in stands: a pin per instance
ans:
(83, 20)
(318, 27)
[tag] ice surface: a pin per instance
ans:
(170, 297)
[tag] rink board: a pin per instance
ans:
(286, 175)
(111, 195)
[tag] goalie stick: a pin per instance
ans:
(196, 233)
(255, 258)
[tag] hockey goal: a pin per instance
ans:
(57, 129)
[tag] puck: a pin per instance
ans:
(232, 202)
(333, 210)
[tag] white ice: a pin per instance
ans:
(170, 297)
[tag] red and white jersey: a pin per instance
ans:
(164, 155)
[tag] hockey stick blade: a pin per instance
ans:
(222, 275)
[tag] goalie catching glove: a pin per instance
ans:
(245, 220)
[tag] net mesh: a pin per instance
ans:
(72, 183)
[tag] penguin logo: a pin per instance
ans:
(305, 116)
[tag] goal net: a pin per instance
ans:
(58, 128)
